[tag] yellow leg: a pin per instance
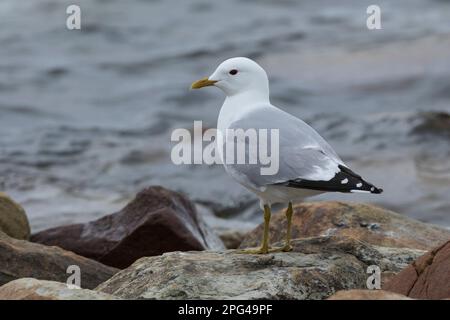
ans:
(265, 241)
(287, 246)
(289, 212)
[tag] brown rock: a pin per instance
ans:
(19, 259)
(364, 222)
(232, 238)
(426, 278)
(33, 289)
(13, 220)
(434, 122)
(156, 221)
(359, 294)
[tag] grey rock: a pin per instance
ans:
(34, 289)
(315, 269)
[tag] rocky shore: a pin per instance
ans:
(159, 247)
(156, 221)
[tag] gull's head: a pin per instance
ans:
(237, 75)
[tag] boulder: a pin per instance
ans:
(364, 222)
(33, 289)
(232, 238)
(20, 258)
(315, 269)
(13, 220)
(426, 278)
(156, 221)
(432, 122)
(356, 294)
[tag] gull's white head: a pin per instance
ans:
(237, 75)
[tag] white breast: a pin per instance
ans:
(233, 109)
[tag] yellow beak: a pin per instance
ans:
(202, 83)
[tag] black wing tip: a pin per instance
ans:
(376, 190)
(367, 186)
(353, 183)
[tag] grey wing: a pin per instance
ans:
(302, 152)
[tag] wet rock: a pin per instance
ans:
(156, 221)
(19, 259)
(33, 289)
(232, 238)
(426, 278)
(433, 122)
(315, 269)
(364, 222)
(231, 230)
(13, 219)
(367, 295)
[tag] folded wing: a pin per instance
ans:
(306, 160)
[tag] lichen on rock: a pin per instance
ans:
(315, 269)
(13, 219)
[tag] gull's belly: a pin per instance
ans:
(280, 194)
(272, 194)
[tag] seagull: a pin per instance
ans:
(308, 165)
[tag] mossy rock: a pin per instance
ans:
(13, 219)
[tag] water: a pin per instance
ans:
(86, 117)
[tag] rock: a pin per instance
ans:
(13, 220)
(33, 289)
(364, 222)
(433, 122)
(156, 221)
(426, 278)
(19, 259)
(356, 294)
(315, 269)
(232, 238)
(231, 230)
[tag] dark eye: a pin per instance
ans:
(233, 72)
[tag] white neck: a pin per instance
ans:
(240, 103)
(250, 97)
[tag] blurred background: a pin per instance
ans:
(86, 116)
